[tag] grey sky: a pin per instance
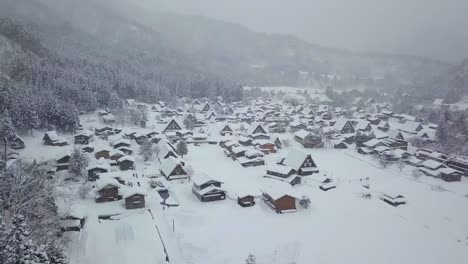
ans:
(436, 28)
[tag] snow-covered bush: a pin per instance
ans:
(416, 173)
(251, 259)
(286, 142)
(84, 190)
(304, 202)
(146, 150)
(78, 162)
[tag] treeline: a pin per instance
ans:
(43, 88)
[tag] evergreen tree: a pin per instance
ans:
(19, 249)
(3, 233)
(146, 150)
(57, 255)
(182, 148)
(77, 162)
(441, 132)
(251, 259)
(7, 130)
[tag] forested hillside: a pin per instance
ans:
(60, 57)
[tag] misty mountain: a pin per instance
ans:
(185, 45)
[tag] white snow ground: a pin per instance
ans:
(340, 226)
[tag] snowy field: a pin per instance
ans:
(341, 227)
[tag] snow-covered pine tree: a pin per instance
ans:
(78, 162)
(2, 232)
(7, 131)
(57, 255)
(441, 132)
(251, 259)
(146, 150)
(19, 248)
(182, 148)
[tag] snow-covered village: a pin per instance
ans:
(125, 140)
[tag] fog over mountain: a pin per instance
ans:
(433, 28)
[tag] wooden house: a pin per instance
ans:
(172, 169)
(207, 189)
(450, 175)
(82, 138)
(265, 146)
(226, 130)
(107, 190)
(278, 143)
(172, 125)
(344, 126)
(134, 198)
(282, 173)
(121, 143)
(459, 163)
(62, 162)
(17, 143)
(96, 168)
(87, 149)
(301, 162)
(245, 200)
(52, 139)
(103, 153)
(126, 163)
(393, 199)
(280, 201)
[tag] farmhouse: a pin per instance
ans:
(103, 153)
(226, 130)
(172, 126)
(126, 163)
(134, 198)
(62, 162)
(99, 167)
(83, 138)
(265, 146)
(207, 189)
(107, 190)
(343, 125)
(121, 143)
(172, 169)
(52, 139)
(450, 175)
(282, 173)
(307, 139)
(301, 162)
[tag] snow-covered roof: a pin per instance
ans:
(201, 178)
(169, 164)
(130, 191)
(432, 164)
(362, 124)
(372, 143)
(295, 159)
(102, 183)
(340, 123)
(99, 164)
(282, 169)
(126, 157)
(301, 134)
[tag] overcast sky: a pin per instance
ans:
(436, 28)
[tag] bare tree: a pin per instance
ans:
(146, 150)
